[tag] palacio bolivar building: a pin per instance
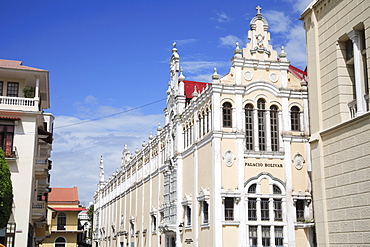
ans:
(230, 167)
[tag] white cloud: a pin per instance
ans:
(299, 5)
(197, 68)
(296, 46)
(184, 42)
(76, 163)
(91, 100)
(278, 21)
(230, 40)
(222, 17)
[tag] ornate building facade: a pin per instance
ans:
(230, 167)
(338, 44)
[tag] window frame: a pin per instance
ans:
(249, 136)
(295, 123)
(261, 115)
(229, 208)
(227, 111)
(7, 139)
(62, 221)
(12, 89)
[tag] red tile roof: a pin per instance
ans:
(12, 64)
(189, 87)
(63, 195)
(297, 72)
(10, 118)
(68, 209)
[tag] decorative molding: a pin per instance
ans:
(229, 158)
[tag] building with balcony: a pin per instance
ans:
(230, 167)
(63, 220)
(26, 138)
(338, 65)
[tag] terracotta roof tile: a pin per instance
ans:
(12, 64)
(69, 195)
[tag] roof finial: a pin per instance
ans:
(258, 8)
(181, 77)
(174, 49)
(195, 93)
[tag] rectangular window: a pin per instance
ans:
(299, 205)
(6, 139)
(265, 209)
(261, 130)
(249, 127)
(188, 216)
(13, 89)
(10, 234)
(229, 208)
(154, 223)
(226, 114)
(279, 236)
(274, 130)
(278, 210)
(252, 209)
(205, 212)
(265, 236)
(1, 88)
(253, 237)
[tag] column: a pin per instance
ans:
(360, 100)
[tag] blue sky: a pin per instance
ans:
(111, 57)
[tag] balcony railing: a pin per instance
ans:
(38, 210)
(19, 103)
(41, 169)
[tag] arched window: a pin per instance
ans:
(249, 126)
(61, 222)
(261, 124)
(274, 128)
(227, 115)
(252, 189)
(294, 118)
(60, 242)
(276, 190)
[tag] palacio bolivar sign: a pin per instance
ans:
(264, 165)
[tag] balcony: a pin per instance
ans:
(38, 210)
(41, 169)
(19, 103)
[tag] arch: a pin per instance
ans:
(60, 242)
(230, 100)
(265, 175)
(262, 86)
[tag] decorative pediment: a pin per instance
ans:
(203, 194)
(187, 200)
